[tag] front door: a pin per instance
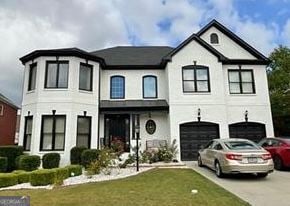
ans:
(117, 128)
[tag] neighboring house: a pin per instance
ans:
(213, 85)
(8, 121)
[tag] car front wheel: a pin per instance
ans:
(199, 161)
(278, 164)
(218, 170)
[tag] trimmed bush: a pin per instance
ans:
(50, 160)
(23, 176)
(74, 170)
(60, 175)
(11, 152)
(29, 162)
(89, 156)
(8, 180)
(42, 177)
(17, 160)
(76, 155)
(3, 164)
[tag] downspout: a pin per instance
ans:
(99, 100)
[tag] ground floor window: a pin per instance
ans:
(52, 132)
(84, 131)
(27, 133)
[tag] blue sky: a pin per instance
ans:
(96, 24)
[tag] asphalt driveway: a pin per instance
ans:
(273, 190)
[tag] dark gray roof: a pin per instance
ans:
(134, 105)
(7, 101)
(133, 55)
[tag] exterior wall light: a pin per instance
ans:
(246, 116)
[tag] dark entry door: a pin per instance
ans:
(195, 134)
(117, 128)
(248, 130)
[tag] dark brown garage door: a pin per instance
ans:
(195, 134)
(248, 130)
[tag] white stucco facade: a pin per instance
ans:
(217, 106)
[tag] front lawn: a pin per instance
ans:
(160, 187)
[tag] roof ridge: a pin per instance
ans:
(7, 101)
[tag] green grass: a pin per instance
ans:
(160, 187)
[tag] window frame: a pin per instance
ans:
(57, 62)
(53, 133)
(241, 82)
(124, 84)
(212, 36)
(156, 86)
(195, 68)
(25, 133)
(91, 76)
(1, 109)
(32, 66)
(90, 130)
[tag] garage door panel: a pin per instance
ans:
(195, 134)
(248, 130)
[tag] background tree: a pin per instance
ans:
(279, 87)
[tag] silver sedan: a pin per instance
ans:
(234, 156)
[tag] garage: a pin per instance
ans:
(195, 134)
(248, 130)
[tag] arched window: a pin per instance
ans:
(149, 86)
(117, 87)
(214, 39)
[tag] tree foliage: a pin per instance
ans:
(279, 81)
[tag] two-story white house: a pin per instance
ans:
(213, 85)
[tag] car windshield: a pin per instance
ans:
(240, 145)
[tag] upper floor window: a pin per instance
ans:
(32, 77)
(1, 109)
(52, 133)
(117, 87)
(56, 74)
(241, 81)
(27, 133)
(195, 79)
(84, 131)
(149, 87)
(86, 77)
(214, 39)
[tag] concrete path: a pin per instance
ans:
(273, 190)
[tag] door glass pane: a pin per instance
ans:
(28, 126)
(47, 124)
(47, 141)
(202, 86)
(234, 76)
(188, 86)
(28, 142)
(235, 88)
(82, 140)
(247, 76)
(149, 87)
(248, 88)
(60, 125)
(51, 80)
(85, 77)
(188, 74)
(59, 141)
(201, 74)
(83, 125)
(63, 75)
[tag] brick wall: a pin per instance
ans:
(7, 124)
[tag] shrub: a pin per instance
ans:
(74, 170)
(3, 164)
(167, 152)
(50, 160)
(23, 176)
(89, 156)
(11, 152)
(60, 175)
(42, 177)
(76, 155)
(29, 162)
(117, 146)
(17, 159)
(8, 180)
